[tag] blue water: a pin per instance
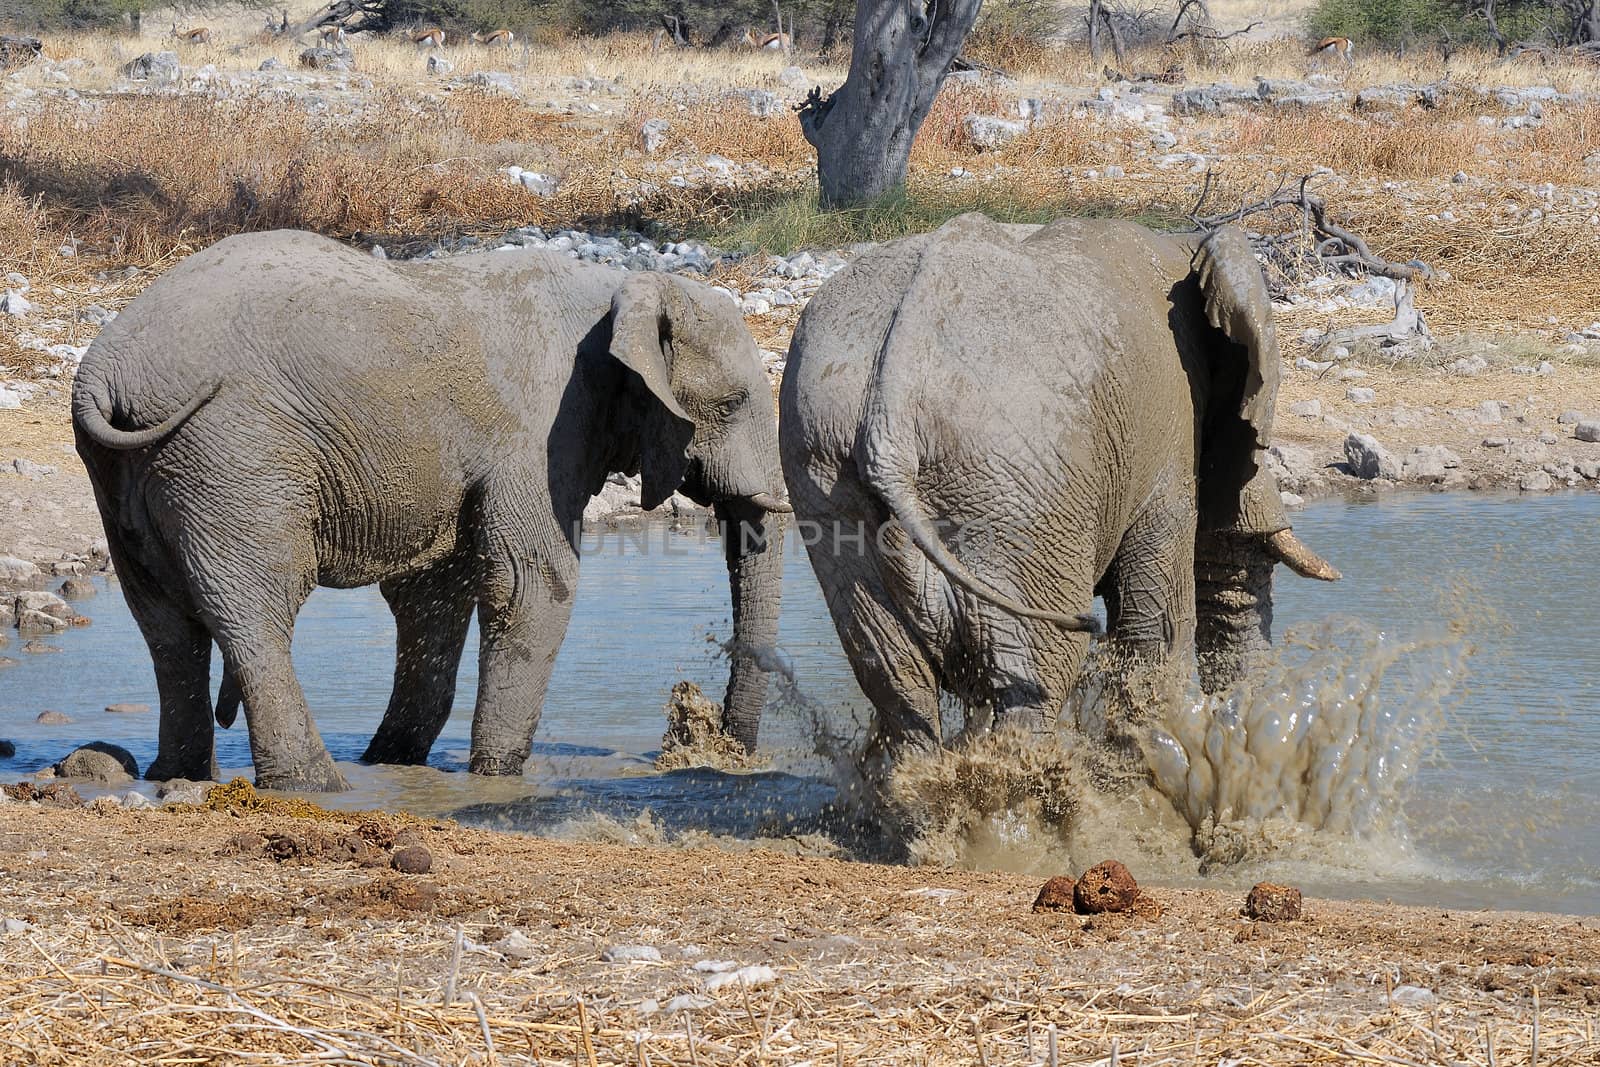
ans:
(1508, 808)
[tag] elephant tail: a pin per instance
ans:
(910, 513)
(90, 402)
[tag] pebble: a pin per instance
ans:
(1360, 395)
(1495, 442)
(1309, 409)
(631, 954)
(1489, 412)
(518, 946)
(1588, 430)
(1569, 418)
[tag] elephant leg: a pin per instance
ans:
(1150, 606)
(252, 608)
(432, 611)
(180, 650)
(525, 596)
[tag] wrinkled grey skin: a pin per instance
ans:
(282, 412)
(1045, 414)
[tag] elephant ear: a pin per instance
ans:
(641, 340)
(1244, 379)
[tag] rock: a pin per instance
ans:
(51, 794)
(439, 65)
(127, 709)
(270, 63)
(794, 78)
(1270, 903)
(517, 945)
(40, 601)
(1467, 366)
(15, 572)
(1588, 468)
(183, 791)
(493, 79)
(743, 978)
(1056, 895)
(631, 954)
(652, 134)
(1587, 430)
(1429, 463)
(1292, 465)
(100, 762)
(1569, 418)
(7, 749)
(14, 304)
(1489, 412)
(1411, 996)
(39, 648)
(1368, 459)
(53, 718)
(30, 470)
(76, 589)
(413, 859)
(989, 132)
(1360, 395)
(1495, 442)
(36, 623)
(133, 799)
(325, 59)
(1107, 886)
(762, 104)
(1536, 482)
(159, 67)
(1547, 437)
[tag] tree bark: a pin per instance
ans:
(863, 130)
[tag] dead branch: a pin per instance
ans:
(1211, 35)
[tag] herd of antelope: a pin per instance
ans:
(334, 35)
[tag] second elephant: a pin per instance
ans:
(984, 427)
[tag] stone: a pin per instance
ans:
(39, 648)
(183, 791)
(652, 134)
(1360, 395)
(1569, 418)
(631, 954)
(36, 623)
(127, 709)
(1536, 482)
(439, 65)
(99, 762)
(40, 601)
(1056, 895)
(1412, 996)
(76, 589)
(7, 750)
(989, 132)
(1489, 412)
(1429, 463)
(159, 67)
(49, 717)
(1107, 886)
(1587, 430)
(27, 468)
(14, 304)
(325, 59)
(794, 78)
(413, 859)
(1495, 442)
(14, 571)
(270, 63)
(762, 104)
(1271, 903)
(1588, 468)
(1368, 459)
(493, 79)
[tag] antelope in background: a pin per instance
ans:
(501, 38)
(432, 37)
(774, 41)
(333, 36)
(1332, 47)
(198, 35)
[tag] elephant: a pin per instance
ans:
(281, 411)
(984, 427)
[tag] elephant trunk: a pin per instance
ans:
(753, 547)
(1233, 604)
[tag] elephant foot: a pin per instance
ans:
(318, 776)
(500, 766)
(395, 753)
(165, 769)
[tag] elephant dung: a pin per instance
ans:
(413, 859)
(1056, 895)
(1271, 903)
(99, 762)
(1107, 886)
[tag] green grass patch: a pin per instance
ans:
(783, 222)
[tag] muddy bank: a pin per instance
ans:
(127, 928)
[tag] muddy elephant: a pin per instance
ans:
(281, 412)
(984, 427)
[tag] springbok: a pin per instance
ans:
(333, 36)
(432, 37)
(198, 35)
(502, 38)
(775, 41)
(1332, 47)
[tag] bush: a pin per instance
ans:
(66, 14)
(1406, 23)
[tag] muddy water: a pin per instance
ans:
(1431, 732)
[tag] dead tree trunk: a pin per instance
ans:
(863, 130)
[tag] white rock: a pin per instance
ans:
(1360, 395)
(1291, 500)
(1368, 459)
(744, 978)
(1412, 996)
(517, 945)
(1489, 412)
(631, 954)
(1308, 409)
(687, 1002)
(1302, 363)
(988, 132)
(1587, 430)
(1536, 482)
(15, 304)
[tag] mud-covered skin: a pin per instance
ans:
(435, 427)
(1094, 393)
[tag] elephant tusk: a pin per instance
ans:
(1289, 550)
(768, 502)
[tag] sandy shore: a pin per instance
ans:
(244, 937)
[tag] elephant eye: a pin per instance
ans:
(730, 403)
